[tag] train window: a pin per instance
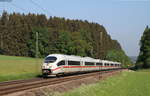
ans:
(99, 64)
(112, 64)
(73, 62)
(105, 64)
(61, 63)
(50, 59)
(89, 63)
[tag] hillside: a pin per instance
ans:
(56, 35)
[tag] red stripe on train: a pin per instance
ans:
(80, 67)
(84, 66)
(56, 69)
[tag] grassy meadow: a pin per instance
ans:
(127, 84)
(13, 67)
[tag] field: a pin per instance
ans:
(127, 84)
(13, 67)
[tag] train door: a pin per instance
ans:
(62, 67)
(103, 65)
(81, 65)
(66, 66)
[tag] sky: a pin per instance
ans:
(124, 20)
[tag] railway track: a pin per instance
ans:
(18, 81)
(20, 85)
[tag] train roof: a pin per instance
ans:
(62, 55)
(65, 56)
(73, 57)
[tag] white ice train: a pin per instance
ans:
(56, 64)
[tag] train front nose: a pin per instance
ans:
(46, 69)
(48, 64)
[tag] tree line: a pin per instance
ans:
(56, 35)
(143, 60)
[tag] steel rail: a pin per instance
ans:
(8, 87)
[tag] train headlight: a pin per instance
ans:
(48, 64)
(43, 67)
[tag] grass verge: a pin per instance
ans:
(126, 84)
(14, 68)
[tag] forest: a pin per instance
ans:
(56, 35)
(144, 55)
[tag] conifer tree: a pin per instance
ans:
(144, 55)
(56, 35)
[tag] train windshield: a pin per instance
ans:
(50, 59)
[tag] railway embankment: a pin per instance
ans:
(52, 85)
(128, 83)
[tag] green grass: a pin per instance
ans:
(126, 84)
(144, 70)
(13, 67)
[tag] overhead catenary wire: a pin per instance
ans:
(14, 5)
(5, 26)
(18, 7)
(33, 2)
(36, 4)
(5, 0)
(3, 6)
